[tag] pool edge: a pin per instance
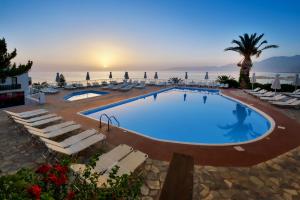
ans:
(269, 118)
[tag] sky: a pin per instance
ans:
(143, 34)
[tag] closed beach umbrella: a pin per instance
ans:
(57, 77)
(206, 76)
(155, 76)
(110, 75)
(145, 75)
(296, 81)
(253, 79)
(126, 76)
(186, 75)
(276, 83)
(87, 78)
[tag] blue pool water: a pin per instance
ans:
(189, 116)
(74, 96)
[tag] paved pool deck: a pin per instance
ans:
(277, 143)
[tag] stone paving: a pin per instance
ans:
(16, 148)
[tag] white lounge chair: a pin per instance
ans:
(27, 114)
(76, 148)
(254, 90)
(55, 133)
(126, 166)
(106, 160)
(49, 90)
(96, 84)
(295, 95)
(267, 94)
(34, 119)
(126, 88)
(71, 140)
(52, 127)
(296, 92)
(284, 104)
(274, 98)
(39, 123)
(69, 87)
(259, 92)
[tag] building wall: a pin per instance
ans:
(21, 79)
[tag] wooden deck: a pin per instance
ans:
(179, 180)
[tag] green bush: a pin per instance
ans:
(58, 182)
(228, 80)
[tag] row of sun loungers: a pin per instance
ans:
(70, 146)
(278, 99)
(123, 156)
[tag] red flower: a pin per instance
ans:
(61, 169)
(57, 180)
(43, 169)
(35, 190)
(61, 180)
(71, 195)
(52, 177)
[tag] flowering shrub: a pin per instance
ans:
(57, 182)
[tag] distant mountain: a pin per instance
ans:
(273, 64)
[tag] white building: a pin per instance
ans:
(22, 80)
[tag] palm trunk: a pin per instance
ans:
(244, 73)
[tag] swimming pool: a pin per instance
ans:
(189, 115)
(74, 96)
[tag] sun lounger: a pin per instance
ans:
(274, 98)
(39, 123)
(27, 114)
(69, 87)
(254, 90)
(126, 166)
(151, 83)
(140, 86)
(284, 104)
(49, 90)
(161, 84)
(267, 94)
(106, 160)
(55, 133)
(287, 101)
(80, 146)
(96, 84)
(107, 87)
(117, 87)
(259, 92)
(52, 127)
(71, 140)
(126, 88)
(34, 119)
(297, 92)
(295, 95)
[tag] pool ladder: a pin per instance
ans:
(109, 120)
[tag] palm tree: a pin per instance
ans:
(248, 46)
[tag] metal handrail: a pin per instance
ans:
(113, 117)
(108, 120)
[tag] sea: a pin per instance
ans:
(79, 76)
